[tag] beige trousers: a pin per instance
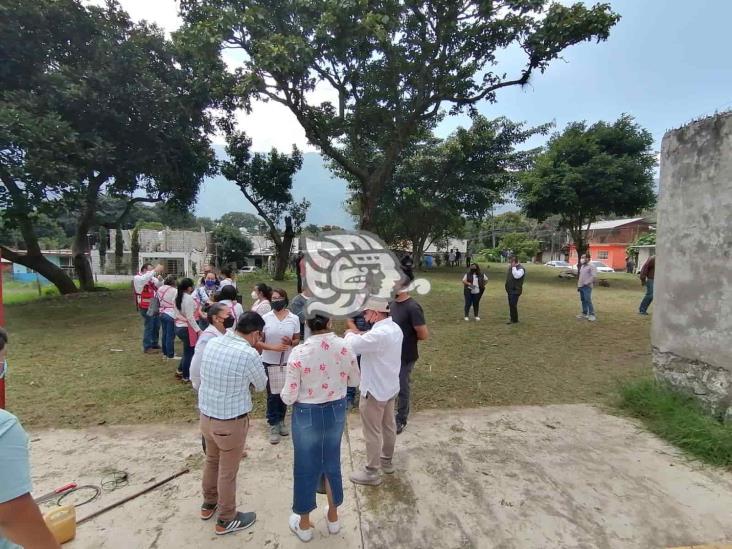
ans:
(379, 430)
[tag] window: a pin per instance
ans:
(602, 255)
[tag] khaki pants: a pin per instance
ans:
(379, 430)
(224, 448)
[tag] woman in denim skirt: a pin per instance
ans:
(318, 373)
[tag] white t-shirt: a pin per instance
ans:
(235, 307)
(475, 283)
(262, 307)
(227, 282)
(274, 330)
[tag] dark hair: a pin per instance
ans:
(226, 271)
(213, 310)
(318, 323)
(183, 285)
(282, 293)
(3, 338)
(249, 322)
(477, 269)
(146, 265)
(170, 280)
(265, 290)
(227, 292)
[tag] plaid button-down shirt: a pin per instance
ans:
(228, 366)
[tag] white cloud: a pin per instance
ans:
(269, 124)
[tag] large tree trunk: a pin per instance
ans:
(119, 250)
(80, 244)
(44, 267)
(283, 250)
(418, 252)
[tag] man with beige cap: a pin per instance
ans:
(381, 352)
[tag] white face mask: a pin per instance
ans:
(254, 295)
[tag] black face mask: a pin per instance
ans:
(229, 322)
(278, 304)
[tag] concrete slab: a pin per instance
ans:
(521, 477)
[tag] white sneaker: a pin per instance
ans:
(592, 318)
(467, 318)
(333, 527)
(582, 317)
(303, 535)
(477, 318)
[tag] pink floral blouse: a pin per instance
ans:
(320, 370)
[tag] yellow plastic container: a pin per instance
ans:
(62, 523)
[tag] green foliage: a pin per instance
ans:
(591, 171)
(135, 249)
(232, 247)
(150, 225)
(678, 419)
(646, 239)
(520, 244)
(490, 255)
(119, 250)
(394, 66)
(241, 220)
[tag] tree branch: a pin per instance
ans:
(274, 233)
(136, 200)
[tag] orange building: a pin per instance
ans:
(609, 240)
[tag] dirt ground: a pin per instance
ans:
(563, 476)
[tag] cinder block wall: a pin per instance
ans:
(692, 320)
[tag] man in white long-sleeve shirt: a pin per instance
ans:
(381, 351)
(145, 284)
(514, 287)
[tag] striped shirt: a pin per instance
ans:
(228, 366)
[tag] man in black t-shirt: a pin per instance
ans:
(408, 314)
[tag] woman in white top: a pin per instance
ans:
(166, 296)
(261, 294)
(204, 296)
(227, 296)
(318, 373)
(227, 279)
(281, 333)
(219, 320)
(473, 288)
(186, 327)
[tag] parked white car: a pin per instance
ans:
(558, 265)
(247, 269)
(599, 265)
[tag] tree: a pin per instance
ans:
(241, 220)
(119, 250)
(591, 171)
(91, 103)
(520, 244)
(394, 65)
(207, 223)
(135, 249)
(232, 247)
(103, 247)
(442, 182)
(266, 182)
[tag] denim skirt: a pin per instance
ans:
(317, 430)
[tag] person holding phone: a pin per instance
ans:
(473, 288)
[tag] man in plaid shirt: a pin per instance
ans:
(229, 367)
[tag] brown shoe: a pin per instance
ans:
(208, 510)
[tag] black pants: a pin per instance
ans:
(405, 380)
(513, 306)
(472, 299)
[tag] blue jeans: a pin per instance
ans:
(585, 293)
(472, 299)
(276, 409)
(150, 331)
(185, 363)
(168, 325)
(648, 298)
(317, 430)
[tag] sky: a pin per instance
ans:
(666, 62)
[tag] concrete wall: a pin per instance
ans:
(692, 321)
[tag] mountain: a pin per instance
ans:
(326, 193)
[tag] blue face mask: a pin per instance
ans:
(210, 283)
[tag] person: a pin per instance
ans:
(21, 521)
(281, 333)
(261, 294)
(452, 258)
(230, 365)
(473, 288)
(145, 284)
(227, 296)
(227, 280)
(647, 276)
(585, 281)
(298, 272)
(318, 374)
(446, 257)
(629, 264)
(515, 277)
(468, 260)
(186, 327)
(219, 320)
(297, 307)
(380, 349)
(409, 316)
(356, 323)
(209, 285)
(458, 256)
(204, 296)
(166, 296)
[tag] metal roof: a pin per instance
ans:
(614, 224)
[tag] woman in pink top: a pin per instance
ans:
(318, 374)
(166, 296)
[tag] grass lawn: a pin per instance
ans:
(77, 361)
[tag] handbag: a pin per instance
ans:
(276, 374)
(154, 308)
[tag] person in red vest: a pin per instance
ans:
(145, 284)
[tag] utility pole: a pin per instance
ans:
(493, 228)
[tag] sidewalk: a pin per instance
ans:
(522, 477)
